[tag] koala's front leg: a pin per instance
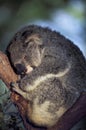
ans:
(16, 88)
(30, 80)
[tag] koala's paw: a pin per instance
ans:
(13, 84)
(15, 87)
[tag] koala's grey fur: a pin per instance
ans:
(58, 76)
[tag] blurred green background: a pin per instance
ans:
(66, 16)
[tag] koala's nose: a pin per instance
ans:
(20, 68)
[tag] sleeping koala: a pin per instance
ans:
(52, 70)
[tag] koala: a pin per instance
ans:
(52, 73)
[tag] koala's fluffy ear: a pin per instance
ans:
(34, 38)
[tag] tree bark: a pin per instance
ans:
(66, 122)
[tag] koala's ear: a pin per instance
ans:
(34, 38)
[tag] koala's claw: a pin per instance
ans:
(16, 89)
(12, 84)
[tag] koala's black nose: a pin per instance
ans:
(20, 68)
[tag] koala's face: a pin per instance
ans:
(25, 53)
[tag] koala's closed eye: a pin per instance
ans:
(41, 46)
(25, 44)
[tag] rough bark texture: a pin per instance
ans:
(69, 119)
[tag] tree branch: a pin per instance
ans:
(66, 122)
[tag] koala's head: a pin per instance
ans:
(25, 51)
